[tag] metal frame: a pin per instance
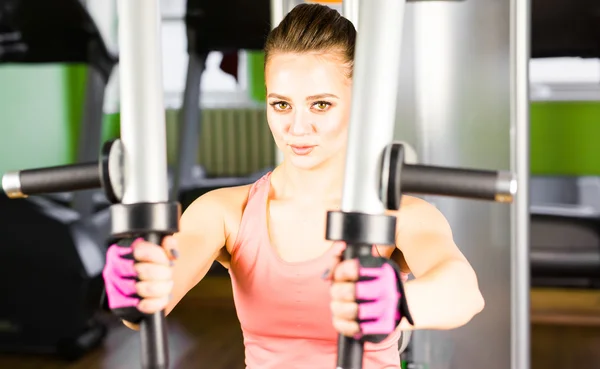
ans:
(189, 128)
(90, 135)
(143, 126)
(143, 135)
(370, 130)
(520, 28)
(279, 8)
(143, 129)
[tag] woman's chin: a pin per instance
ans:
(304, 162)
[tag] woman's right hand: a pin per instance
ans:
(143, 286)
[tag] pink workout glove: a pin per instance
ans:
(120, 279)
(380, 297)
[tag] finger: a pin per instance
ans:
(153, 289)
(343, 291)
(148, 252)
(153, 272)
(347, 271)
(153, 305)
(346, 327)
(344, 310)
(170, 244)
(404, 277)
(338, 250)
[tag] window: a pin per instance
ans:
(565, 79)
(217, 87)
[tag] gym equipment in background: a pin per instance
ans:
(227, 26)
(565, 236)
(132, 170)
(53, 247)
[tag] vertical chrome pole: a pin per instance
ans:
(143, 134)
(520, 267)
(350, 10)
(143, 127)
(372, 129)
(372, 123)
(279, 9)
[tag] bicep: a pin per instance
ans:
(200, 238)
(424, 238)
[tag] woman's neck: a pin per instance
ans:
(323, 184)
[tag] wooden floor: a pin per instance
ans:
(565, 329)
(204, 333)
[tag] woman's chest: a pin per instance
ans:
(280, 299)
(297, 234)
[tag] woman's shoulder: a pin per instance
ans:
(226, 201)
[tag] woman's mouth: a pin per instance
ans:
(301, 150)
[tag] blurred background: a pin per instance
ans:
(59, 100)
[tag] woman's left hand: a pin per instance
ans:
(344, 308)
(380, 289)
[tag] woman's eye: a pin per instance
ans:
(280, 105)
(322, 105)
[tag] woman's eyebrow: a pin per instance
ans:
(277, 96)
(321, 96)
(308, 98)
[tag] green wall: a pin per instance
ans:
(565, 138)
(41, 109)
(34, 117)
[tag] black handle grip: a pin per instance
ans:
(153, 222)
(64, 178)
(457, 182)
(153, 333)
(154, 342)
(350, 350)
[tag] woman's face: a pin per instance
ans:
(308, 107)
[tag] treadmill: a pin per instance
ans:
(53, 247)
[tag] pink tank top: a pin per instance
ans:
(283, 307)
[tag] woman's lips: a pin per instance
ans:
(302, 150)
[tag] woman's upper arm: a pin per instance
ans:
(424, 237)
(202, 234)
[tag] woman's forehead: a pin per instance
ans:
(304, 74)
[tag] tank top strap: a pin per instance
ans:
(254, 215)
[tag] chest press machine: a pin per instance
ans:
(133, 170)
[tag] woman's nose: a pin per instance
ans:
(301, 125)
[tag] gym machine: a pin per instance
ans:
(53, 247)
(565, 224)
(133, 171)
(375, 176)
(211, 26)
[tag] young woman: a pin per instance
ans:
(292, 293)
